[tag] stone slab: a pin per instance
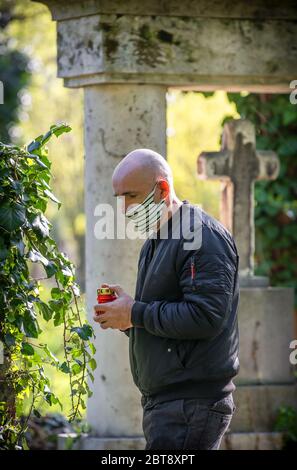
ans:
(175, 51)
(240, 9)
(252, 441)
(87, 442)
(266, 328)
(257, 406)
(231, 441)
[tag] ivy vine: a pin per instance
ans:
(25, 238)
(275, 119)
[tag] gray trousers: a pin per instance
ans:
(187, 423)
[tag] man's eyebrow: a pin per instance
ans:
(124, 194)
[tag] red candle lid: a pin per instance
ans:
(105, 291)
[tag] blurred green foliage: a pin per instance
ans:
(286, 422)
(42, 101)
(194, 125)
(14, 74)
(52, 336)
(25, 238)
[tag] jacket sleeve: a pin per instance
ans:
(205, 304)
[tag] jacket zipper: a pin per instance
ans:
(192, 272)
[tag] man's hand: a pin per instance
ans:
(117, 314)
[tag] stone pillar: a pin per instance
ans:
(118, 119)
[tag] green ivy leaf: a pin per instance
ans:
(78, 362)
(64, 368)
(41, 225)
(59, 129)
(76, 290)
(51, 355)
(51, 398)
(12, 216)
(92, 363)
(76, 368)
(9, 340)
(56, 293)
(36, 256)
(34, 145)
(37, 159)
(92, 348)
(24, 444)
(3, 250)
(67, 272)
(85, 332)
(50, 269)
(27, 349)
(58, 318)
(48, 193)
(30, 325)
(91, 376)
(45, 310)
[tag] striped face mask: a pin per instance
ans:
(146, 215)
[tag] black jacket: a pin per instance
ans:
(184, 342)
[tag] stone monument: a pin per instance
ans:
(266, 323)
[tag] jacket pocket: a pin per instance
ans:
(225, 406)
(184, 351)
(157, 362)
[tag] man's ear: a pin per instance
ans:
(164, 188)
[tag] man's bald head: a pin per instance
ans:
(144, 164)
(135, 176)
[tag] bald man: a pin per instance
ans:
(182, 322)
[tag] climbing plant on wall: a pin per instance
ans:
(275, 119)
(25, 240)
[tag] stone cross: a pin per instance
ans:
(239, 165)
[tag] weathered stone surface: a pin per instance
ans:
(230, 441)
(266, 328)
(240, 163)
(252, 441)
(176, 51)
(118, 119)
(86, 442)
(258, 405)
(251, 427)
(219, 9)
